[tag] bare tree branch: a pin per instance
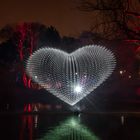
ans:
(115, 18)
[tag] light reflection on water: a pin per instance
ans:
(70, 129)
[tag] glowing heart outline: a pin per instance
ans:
(72, 76)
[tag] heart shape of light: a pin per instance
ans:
(72, 76)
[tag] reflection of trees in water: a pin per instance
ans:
(70, 129)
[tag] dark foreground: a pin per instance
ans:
(66, 126)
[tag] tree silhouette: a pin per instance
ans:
(52, 36)
(114, 19)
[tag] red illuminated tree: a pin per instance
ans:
(29, 37)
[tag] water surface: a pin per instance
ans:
(69, 127)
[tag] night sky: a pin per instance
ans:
(61, 14)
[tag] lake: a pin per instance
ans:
(65, 126)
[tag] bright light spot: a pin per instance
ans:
(35, 77)
(76, 73)
(73, 123)
(129, 76)
(121, 72)
(78, 89)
